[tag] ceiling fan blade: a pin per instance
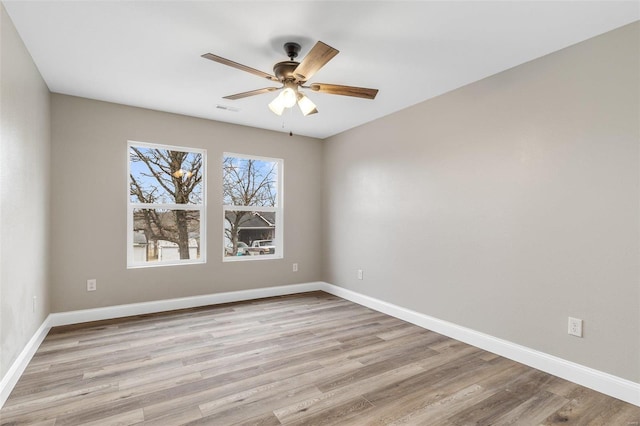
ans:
(319, 55)
(335, 89)
(236, 65)
(250, 93)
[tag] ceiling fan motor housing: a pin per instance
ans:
(284, 70)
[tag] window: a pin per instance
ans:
(252, 207)
(166, 208)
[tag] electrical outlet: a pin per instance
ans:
(360, 274)
(34, 303)
(92, 285)
(575, 327)
(295, 267)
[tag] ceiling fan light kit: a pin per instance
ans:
(283, 100)
(289, 94)
(306, 106)
(277, 105)
(294, 75)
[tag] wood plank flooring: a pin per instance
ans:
(306, 359)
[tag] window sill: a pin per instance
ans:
(251, 258)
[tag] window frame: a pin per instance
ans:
(278, 209)
(201, 208)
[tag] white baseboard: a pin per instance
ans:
(20, 364)
(119, 311)
(597, 380)
(605, 383)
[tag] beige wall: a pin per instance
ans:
(24, 195)
(505, 206)
(89, 184)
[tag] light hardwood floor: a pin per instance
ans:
(306, 359)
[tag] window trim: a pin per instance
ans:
(201, 208)
(278, 210)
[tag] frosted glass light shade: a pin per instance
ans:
(276, 105)
(306, 106)
(288, 96)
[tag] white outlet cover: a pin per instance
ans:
(575, 327)
(91, 285)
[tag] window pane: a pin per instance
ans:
(249, 233)
(165, 235)
(250, 182)
(165, 177)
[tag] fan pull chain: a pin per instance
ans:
(290, 132)
(283, 121)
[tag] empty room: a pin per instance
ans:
(319, 213)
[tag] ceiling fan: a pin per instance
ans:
(293, 76)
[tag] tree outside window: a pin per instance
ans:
(252, 200)
(166, 205)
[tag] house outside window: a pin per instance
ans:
(252, 207)
(166, 205)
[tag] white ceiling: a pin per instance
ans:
(147, 53)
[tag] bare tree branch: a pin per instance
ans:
(246, 182)
(177, 175)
